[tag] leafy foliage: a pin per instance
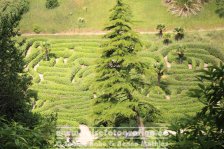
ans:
(20, 128)
(206, 129)
(167, 39)
(37, 29)
(14, 84)
(15, 135)
(179, 33)
(220, 8)
(51, 4)
(161, 28)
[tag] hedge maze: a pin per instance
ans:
(64, 83)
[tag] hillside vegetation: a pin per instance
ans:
(147, 14)
(64, 84)
(162, 89)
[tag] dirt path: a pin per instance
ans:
(190, 66)
(167, 97)
(85, 137)
(168, 65)
(41, 77)
(103, 33)
(57, 59)
(35, 67)
(65, 60)
(29, 51)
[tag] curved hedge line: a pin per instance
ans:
(212, 50)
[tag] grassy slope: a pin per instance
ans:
(147, 14)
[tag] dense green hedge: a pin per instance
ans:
(209, 48)
(34, 53)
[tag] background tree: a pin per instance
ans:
(185, 7)
(206, 129)
(119, 74)
(160, 70)
(179, 33)
(13, 91)
(161, 28)
(19, 127)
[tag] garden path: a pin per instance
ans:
(167, 62)
(85, 136)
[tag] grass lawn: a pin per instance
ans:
(147, 14)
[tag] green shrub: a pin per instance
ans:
(73, 72)
(35, 61)
(192, 61)
(35, 75)
(52, 62)
(37, 29)
(89, 71)
(156, 91)
(15, 135)
(25, 46)
(33, 55)
(71, 46)
(205, 58)
(213, 51)
(37, 44)
(167, 39)
(51, 4)
(58, 80)
(65, 53)
(60, 61)
(220, 8)
(82, 120)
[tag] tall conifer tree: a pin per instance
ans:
(13, 82)
(119, 74)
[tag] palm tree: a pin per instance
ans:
(167, 39)
(185, 7)
(160, 70)
(179, 33)
(180, 53)
(46, 48)
(161, 28)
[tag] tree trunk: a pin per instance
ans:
(142, 131)
(159, 79)
(47, 56)
(160, 33)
